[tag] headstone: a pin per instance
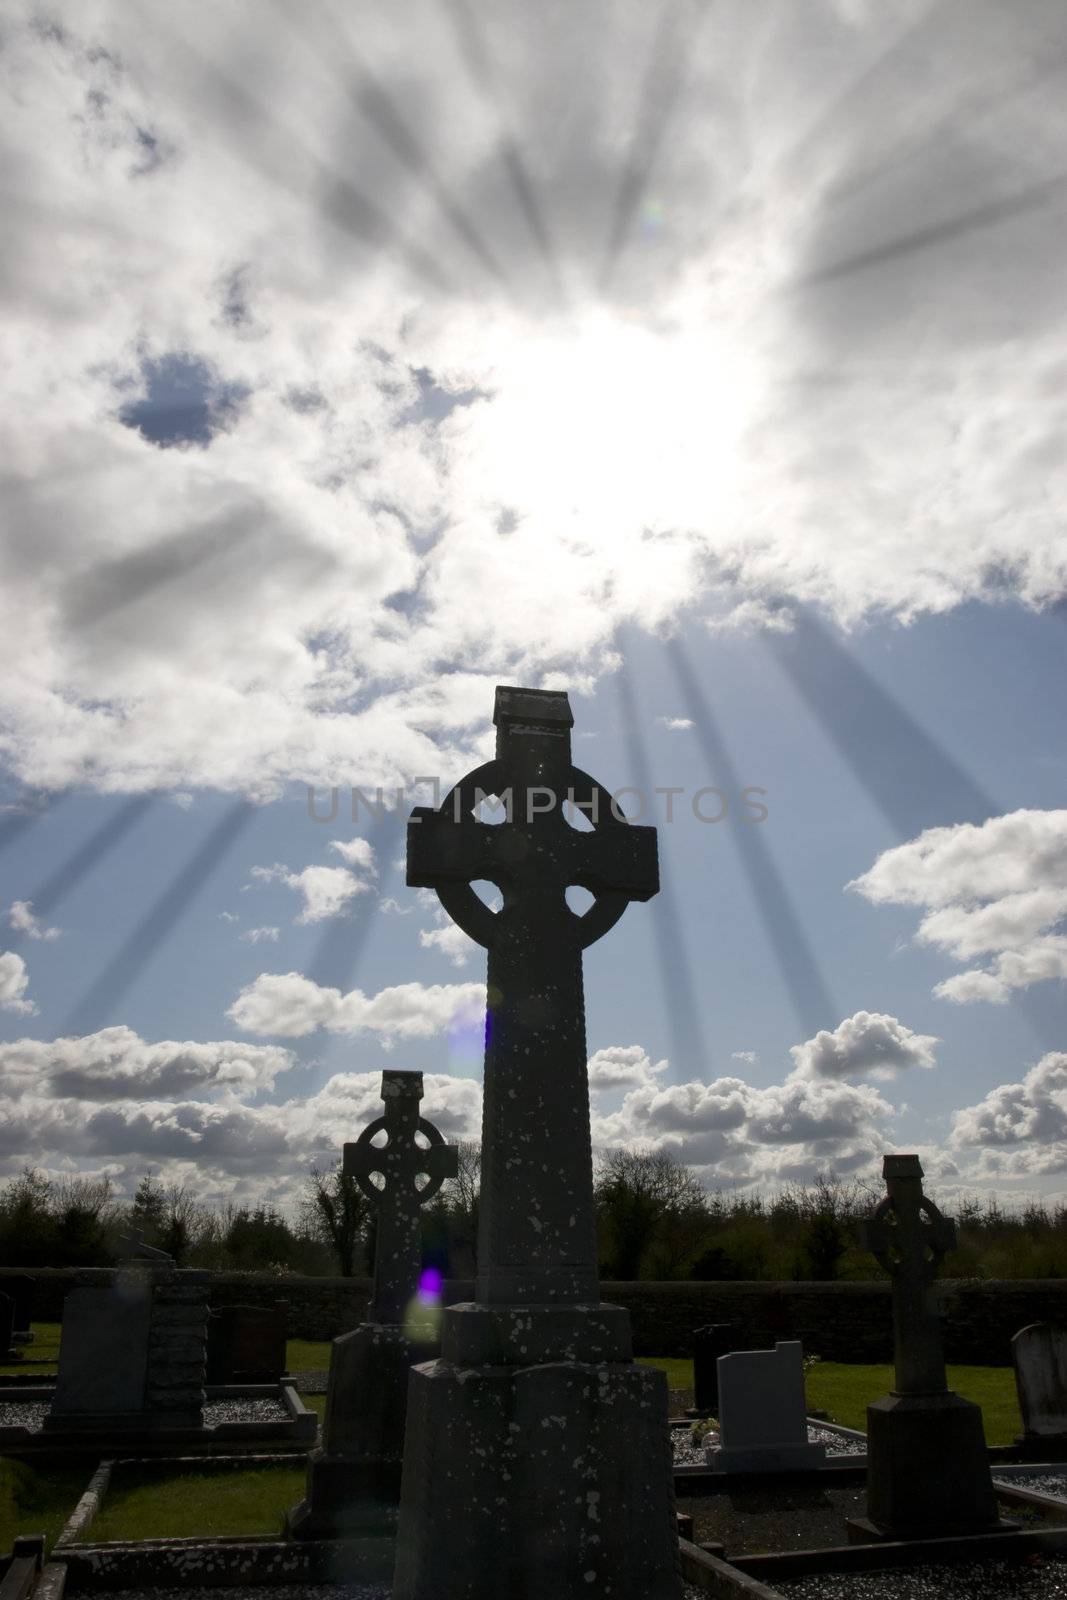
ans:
(537, 1457)
(927, 1465)
(715, 1339)
(132, 1356)
(763, 1424)
(1039, 1354)
(7, 1325)
(19, 1287)
(246, 1344)
(353, 1483)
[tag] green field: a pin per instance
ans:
(145, 1504)
(37, 1499)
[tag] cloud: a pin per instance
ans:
(14, 981)
(996, 889)
(622, 1066)
(117, 1064)
(326, 891)
(729, 1129)
(749, 1057)
(870, 1043)
(355, 853)
(1018, 1130)
(258, 935)
(450, 940)
(319, 561)
(22, 919)
(292, 1006)
(676, 724)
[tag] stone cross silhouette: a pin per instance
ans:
(536, 1235)
(399, 1162)
(908, 1236)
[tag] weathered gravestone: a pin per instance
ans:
(132, 1356)
(537, 1460)
(715, 1339)
(18, 1286)
(927, 1464)
(353, 1483)
(7, 1324)
(246, 1344)
(763, 1424)
(1039, 1355)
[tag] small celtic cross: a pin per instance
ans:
(399, 1162)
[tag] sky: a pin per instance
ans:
(706, 361)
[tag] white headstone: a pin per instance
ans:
(762, 1415)
(1040, 1356)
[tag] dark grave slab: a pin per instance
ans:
(1039, 1356)
(103, 1354)
(537, 1458)
(19, 1288)
(246, 1344)
(710, 1342)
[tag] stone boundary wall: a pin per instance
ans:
(837, 1321)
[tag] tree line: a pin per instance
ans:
(654, 1220)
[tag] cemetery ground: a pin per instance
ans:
(163, 1501)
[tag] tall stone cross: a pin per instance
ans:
(536, 1238)
(399, 1162)
(909, 1237)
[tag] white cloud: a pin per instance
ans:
(749, 1057)
(355, 853)
(229, 916)
(870, 1042)
(1018, 1130)
(622, 1066)
(996, 889)
(676, 724)
(23, 920)
(117, 1063)
(258, 935)
(14, 981)
(450, 940)
(326, 891)
(328, 588)
(292, 1006)
(729, 1129)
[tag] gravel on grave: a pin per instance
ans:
(24, 1414)
(313, 1382)
(1054, 1482)
(216, 1411)
(687, 1454)
(1034, 1578)
(31, 1413)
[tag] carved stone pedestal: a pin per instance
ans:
(353, 1483)
(529, 1471)
(927, 1468)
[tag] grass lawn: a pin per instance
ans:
(143, 1503)
(845, 1391)
(315, 1402)
(38, 1499)
(45, 1345)
(305, 1355)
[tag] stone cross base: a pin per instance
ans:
(928, 1467)
(533, 1480)
(353, 1483)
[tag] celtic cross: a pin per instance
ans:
(908, 1236)
(536, 1234)
(399, 1163)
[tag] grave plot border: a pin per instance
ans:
(224, 1562)
(299, 1428)
(838, 1559)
